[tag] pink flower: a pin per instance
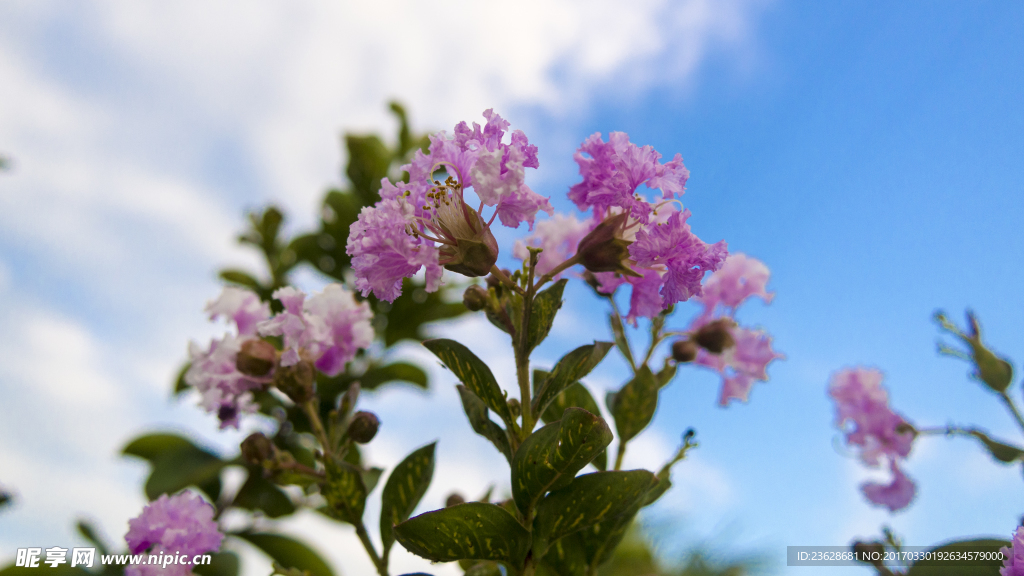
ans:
(428, 224)
(558, 236)
(615, 169)
(1013, 556)
(328, 328)
(224, 390)
(741, 365)
(180, 524)
(242, 306)
(739, 278)
(896, 495)
(862, 411)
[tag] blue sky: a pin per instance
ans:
(870, 154)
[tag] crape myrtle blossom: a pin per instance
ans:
(223, 389)
(1013, 556)
(746, 360)
(428, 224)
(327, 328)
(863, 413)
(180, 524)
(651, 243)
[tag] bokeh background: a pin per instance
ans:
(871, 153)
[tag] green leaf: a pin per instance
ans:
(179, 382)
(288, 552)
(945, 568)
(177, 463)
(575, 395)
(473, 373)
(599, 541)
(619, 335)
(482, 424)
(473, 530)
(404, 490)
(221, 564)
(394, 372)
(550, 457)
(569, 369)
(590, 499)
(371, 477)
(545, 306)
(241, 278)
(345, 491)
(1001, 451)
(368, 162)
(633, 406)
(89, 533)
(566, 557)
(260, 494)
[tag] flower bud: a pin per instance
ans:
(715, 337)
(453, 499)
(514, 407)
(257, 448)
(296, 381)
(604, 250)
(684, 351)
(363, 427)
(475, 298)
(256, 358)
(474, 250)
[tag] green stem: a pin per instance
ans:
(318, 427)
(505, 279)
(620, 454)
(381, 566)
(554, 271)
(522, 352)
(1013, 408)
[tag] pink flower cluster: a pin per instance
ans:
(863, 413)
(224, 390)
(180, 524)
(421, 224)
(666, 259)
(327, 329)
(740, 278)
(1013, 556)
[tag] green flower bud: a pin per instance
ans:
(363, 427)
(475, 298)
(604, 249)
(715, 337)
(296, 381)
(257, 448)
(684, 351)
(454, 499)
(256, 358)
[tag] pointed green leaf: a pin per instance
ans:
(569, 369)
(1001, 451)
(633, 406)
(482, 424)
(590, 499)
(575, 395)
(344, 491)
(550, 457)
(566, 557)
(619, 335)
(545, 307)
(404, 490)
(474, 530)
(394, 372)
(177, 463)
(472, 372)
(288, 552)
(260, 494)
(371, 477)
(600, 540)
(241, 278)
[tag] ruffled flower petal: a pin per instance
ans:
(896, 495)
